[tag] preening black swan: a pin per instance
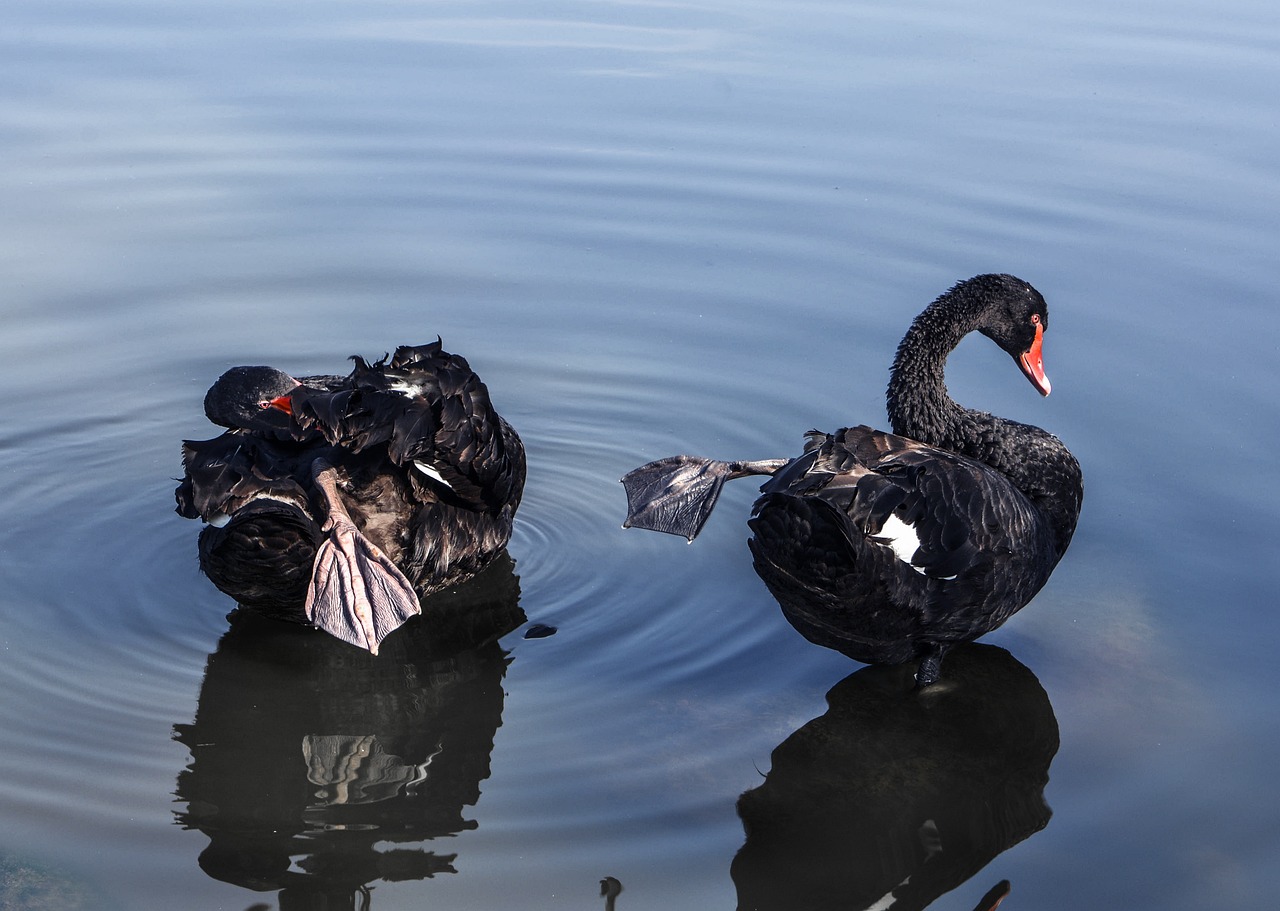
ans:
(894, 547)
(331, 499)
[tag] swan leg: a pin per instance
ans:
(930, 668)
(357, 594)
(675, 495)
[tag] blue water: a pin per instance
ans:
(652, 227)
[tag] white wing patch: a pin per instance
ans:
(431, 472)
(902, 538)
(405, 388)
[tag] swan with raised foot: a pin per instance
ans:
(338, 501)
(892, 547)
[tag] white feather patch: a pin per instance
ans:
(902, 538)
(405, 388)
(431, 472)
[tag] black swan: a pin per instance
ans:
(894, 547)
(338, 501)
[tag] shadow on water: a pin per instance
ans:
(307, 753)
(893, 798)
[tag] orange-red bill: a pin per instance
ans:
(1032, 363)
(285, 404)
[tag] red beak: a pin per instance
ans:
(285, 404)
(1032, 363)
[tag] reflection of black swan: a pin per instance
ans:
(331, 499)
(610, 888)
(893, 798)
(308, 758)
(894, 548)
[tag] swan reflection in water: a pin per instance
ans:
(895, 797)
(307, 753)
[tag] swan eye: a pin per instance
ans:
(1035, 319)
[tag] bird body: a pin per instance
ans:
(396, 481)
(892, 547)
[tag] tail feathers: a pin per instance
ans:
(806, 540)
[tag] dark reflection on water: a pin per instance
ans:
(307, 752)
(893, 798)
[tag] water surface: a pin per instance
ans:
(653, 227)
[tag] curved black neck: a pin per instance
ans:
(920, 408)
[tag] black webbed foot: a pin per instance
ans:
(675, 495)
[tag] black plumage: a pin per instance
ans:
(391, 483)
(892, 547)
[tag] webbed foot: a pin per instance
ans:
(357, 593)
(675, 495)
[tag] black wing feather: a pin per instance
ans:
(227, 472)
(425, 405)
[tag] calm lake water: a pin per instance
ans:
(653, 227)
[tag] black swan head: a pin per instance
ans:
(251, 398)
(1015, 317)
(1004, 308)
